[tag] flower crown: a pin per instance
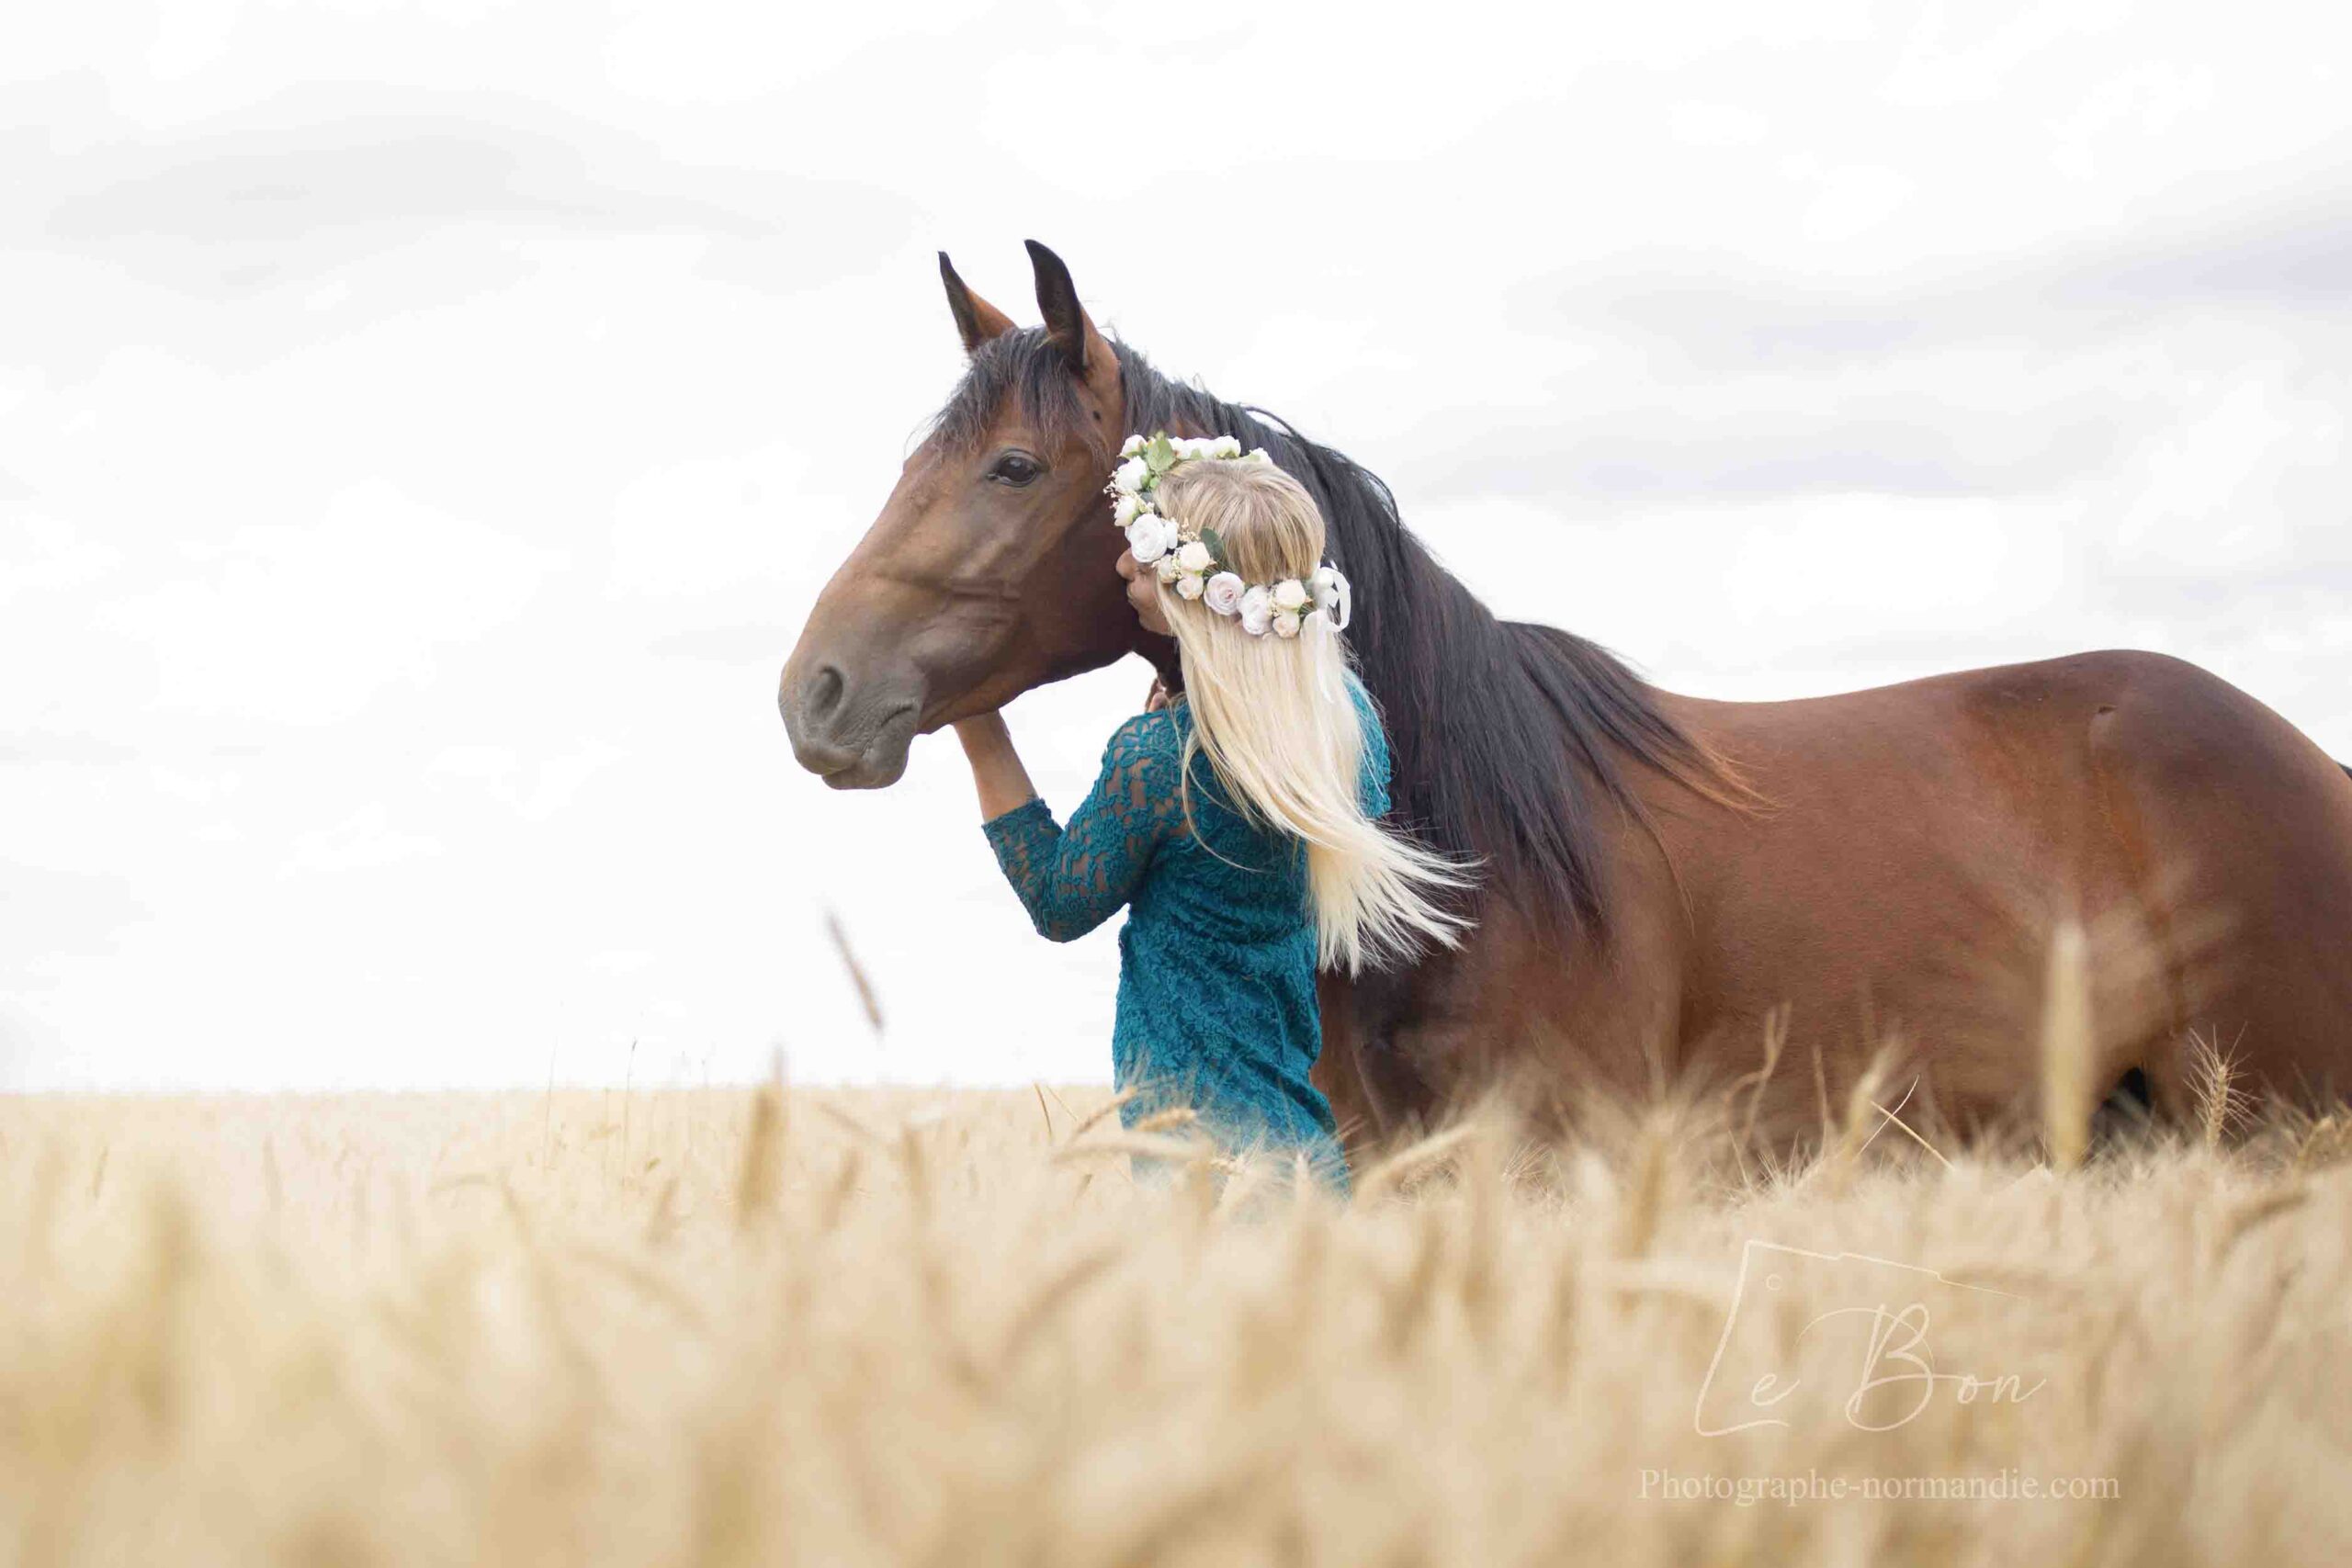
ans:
(1193, 558)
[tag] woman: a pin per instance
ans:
(1237, 819)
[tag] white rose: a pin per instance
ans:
(1189, 586)
(1130, 474)
(1258, 454)
(1225, 446)
(1133, 444)
(1166, 569)
(1331, 593)
(1125, 510)
(1224, 594)
(1286, 624)
(1147, 538)
(1196, 558)
(1257, 611)
(1290, 594)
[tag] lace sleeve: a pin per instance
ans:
(1072, 879)
(1372, 786)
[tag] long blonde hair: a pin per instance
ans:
(1272, 714)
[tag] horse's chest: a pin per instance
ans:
(1522, 1001)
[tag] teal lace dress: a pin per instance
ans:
(1216, 961)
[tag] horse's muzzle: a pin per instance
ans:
(852, 734)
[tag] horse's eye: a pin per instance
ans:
(1016, 468)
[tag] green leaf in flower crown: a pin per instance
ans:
(1216, 541)
(1159, 453)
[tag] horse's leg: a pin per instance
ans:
(1339, 1071)
(1377, 1092)
(2251, 826)
(1544, 1015)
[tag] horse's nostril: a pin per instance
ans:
(824, 693)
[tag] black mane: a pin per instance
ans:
(1505, 736)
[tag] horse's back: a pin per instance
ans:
(1923, 841)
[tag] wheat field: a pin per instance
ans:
(842, 1326)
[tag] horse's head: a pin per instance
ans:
(989, 569)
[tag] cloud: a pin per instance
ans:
(361, 841)
(47, 555)
(1684, 379)
(1715, 310)
(50, 913)
(2301, 260)
(35, 748)
(312, 179)
(306, 624)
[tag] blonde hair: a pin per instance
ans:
(1274, 717)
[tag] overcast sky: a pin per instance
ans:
(423, 432)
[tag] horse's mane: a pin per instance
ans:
(1504, 736)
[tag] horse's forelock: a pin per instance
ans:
(1023, 368)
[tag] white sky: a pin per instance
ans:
(423, 431)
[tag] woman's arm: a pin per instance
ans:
(997, 771)
(1072, 881)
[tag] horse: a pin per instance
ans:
(1667, 890)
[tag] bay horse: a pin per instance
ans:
(1664, 881)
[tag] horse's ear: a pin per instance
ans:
(1067, 326)
(975, 319)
